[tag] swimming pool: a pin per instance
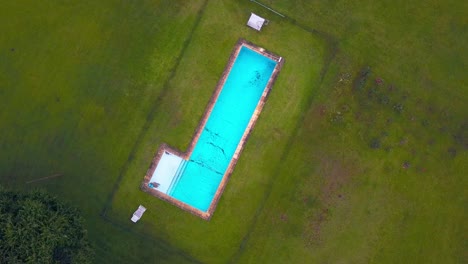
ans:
(194, 180)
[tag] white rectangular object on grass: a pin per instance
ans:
(138, 213)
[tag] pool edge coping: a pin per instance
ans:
(208, 109)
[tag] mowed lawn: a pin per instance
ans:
(358, 156)
(377, 170)
(77, 81)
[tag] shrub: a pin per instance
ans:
(375, 143)
(336, 117)
(398, 108)
(360, 81)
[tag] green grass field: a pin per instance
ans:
(359, 155)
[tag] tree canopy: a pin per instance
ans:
(36, 227)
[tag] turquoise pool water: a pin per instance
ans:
(198, 179)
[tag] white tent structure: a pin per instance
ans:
(256, 22)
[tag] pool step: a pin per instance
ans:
(176, 178)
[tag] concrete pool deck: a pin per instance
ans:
(165, 153)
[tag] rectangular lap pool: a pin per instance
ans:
(194, 180)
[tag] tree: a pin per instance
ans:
(36, 227)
